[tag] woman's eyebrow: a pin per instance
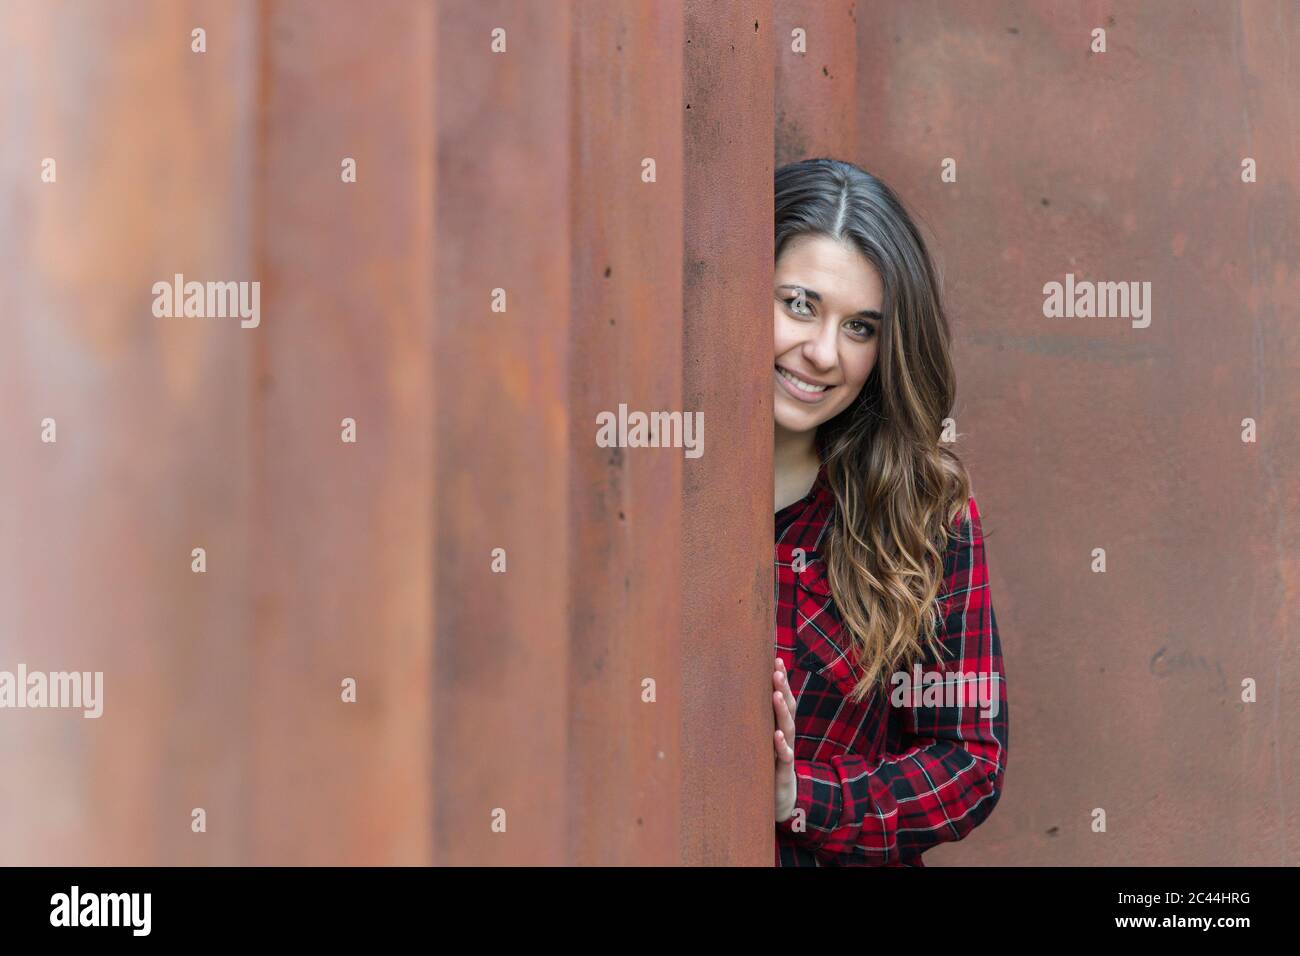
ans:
(811, 294)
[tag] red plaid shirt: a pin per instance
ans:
(879, 784)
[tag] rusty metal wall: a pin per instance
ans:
(501, 214)
(729, 622)
(153, 176)
(340, 555)
(222, 690)
(625, 505)
(500, 718)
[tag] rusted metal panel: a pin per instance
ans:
(625, 503)
(475, 429)
(153, 177)
(728, 625)
(816, 79)
(342, 565)
(502, 220)
(633, 540)
(1086, 433)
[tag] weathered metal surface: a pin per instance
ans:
(342, 569)
(502, 221)
(728, 627)
(154, 177)
(1084, 433)
(816, 78)
(625, 503)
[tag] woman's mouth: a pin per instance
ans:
(799, 388)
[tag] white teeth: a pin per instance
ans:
(801, 385)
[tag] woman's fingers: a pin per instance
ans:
(783, 706)
(783, 684)
(784, 753)
(781, 681)
(784, 719)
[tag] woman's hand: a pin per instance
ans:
(783, 706)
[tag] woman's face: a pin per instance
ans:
(827, 338)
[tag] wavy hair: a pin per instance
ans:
(899, 492)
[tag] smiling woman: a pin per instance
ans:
(825, 348)
(880, 565)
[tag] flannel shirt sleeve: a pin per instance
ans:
(946, 777)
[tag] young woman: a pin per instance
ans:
(888, 689)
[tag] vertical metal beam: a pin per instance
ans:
(626, 503)
(477, 691)
(341, 559)
(96, 529)
(501, 384)
(728, 623)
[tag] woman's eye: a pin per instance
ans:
(860, 328)
(798, 300)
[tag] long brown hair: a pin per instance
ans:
(899, 492)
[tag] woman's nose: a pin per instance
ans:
(820, 351)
